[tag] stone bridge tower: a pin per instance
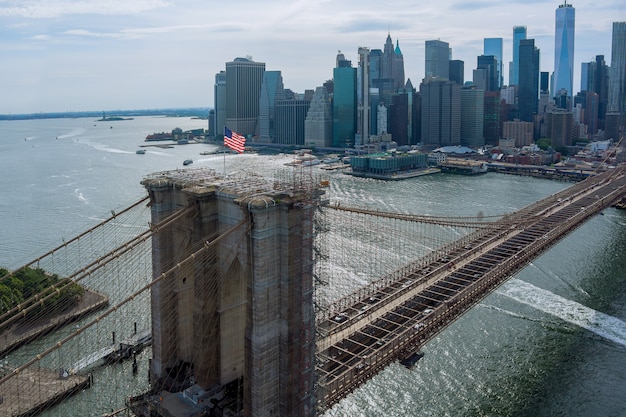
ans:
(238, 315)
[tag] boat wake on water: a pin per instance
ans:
(608, 327)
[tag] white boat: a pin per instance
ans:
(140, 151)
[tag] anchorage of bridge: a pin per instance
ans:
(193, 257)
(361, 351)
(22, 309)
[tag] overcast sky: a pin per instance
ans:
(67, 55)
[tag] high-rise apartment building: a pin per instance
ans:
(617, 87)
(243, 92)
(441, 112)
(437, 56)
(519, 33)
(528, 88)
(493, 46)
(564, 50)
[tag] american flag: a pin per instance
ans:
(234, 140)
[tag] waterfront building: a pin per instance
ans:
(441, 112)
(528, 88)
(219, 99)
(344, 104)
(492, 120)
(437, 56)
(617, 88)
(272, 89)
(564, 50)
(560, 124)
(290, 117)
(519, 33)
(521, 132)
(243, 92)
(493, 46)
(472, 116)
(318, 125)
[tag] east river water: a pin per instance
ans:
(550, 342)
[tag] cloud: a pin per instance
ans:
(39, 9)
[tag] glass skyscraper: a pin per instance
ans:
(493, 46)
(564, 49)
(528, 89)
(344, 106)
(437, 56)
(617, 87)
(519, 33)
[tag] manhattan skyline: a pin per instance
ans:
(75, 55)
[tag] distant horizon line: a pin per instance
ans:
(167, 111)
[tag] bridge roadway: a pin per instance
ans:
(386, 323)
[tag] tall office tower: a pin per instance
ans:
(388, 53)
(586, 77)
(290, 117)
(374, 101)
(493, 46)
(490, 64)
(441, 112)
(272, 89)
(601, 87)
(377, 62)
(398, 68)
(564, 50)
(318, 125)
(398, 118)
(479, 78)
(220, 103)
(519, 33)
(528, 87)
(617, 87)
(457, 71)
(472, 116)
(437, 56)
(544, 93)
(492, 124)
(243, 92)
(344, 104)
(363, 96)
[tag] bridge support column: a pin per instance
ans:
(242, 312)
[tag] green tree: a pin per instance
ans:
(544, 143)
